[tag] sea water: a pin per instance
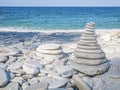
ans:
(58, 18)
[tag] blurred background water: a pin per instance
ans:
(59, 18)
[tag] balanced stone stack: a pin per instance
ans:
(49, 51)
(88, 57)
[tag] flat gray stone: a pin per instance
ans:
(51, 72)
(80, 83)
(88, 50)
(18, 80)
(34, 63)
(3, 59)
(81, 75)
(38, 86)
(18, 75)
(90, 70)
(90, 55)
(46, 61)
(3, 65)
(40, 55)
(60, 62)
(57, 84)
(54, 81)
(11, 59)
(30, 69)
(42, 75)
(49, 67)
(46, 80)
(87, 42)
(11, 86)
(86, 35)
(27, 76)
(115, 75)
(89, 81)
(89, 47)
(89, 61)
(25, 85)
(8, 52)
(33, 81)
(89, 33)
(15, 65)
(65, 71)
(51, 52)
(49, 47)
(92, 24)
(89, 29)
(3, 77)
(87, 38)
(17, 71)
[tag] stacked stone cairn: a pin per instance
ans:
(88, 57)
(49, 51)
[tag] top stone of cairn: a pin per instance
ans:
(88, 57)
(49, 46)
(90, 25)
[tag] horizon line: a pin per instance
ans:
(59, 6)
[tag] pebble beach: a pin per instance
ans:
(22, 69)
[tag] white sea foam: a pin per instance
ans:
(10, 29)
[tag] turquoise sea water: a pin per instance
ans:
(59, 18)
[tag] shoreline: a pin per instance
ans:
(54, 31)
(108, 39)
